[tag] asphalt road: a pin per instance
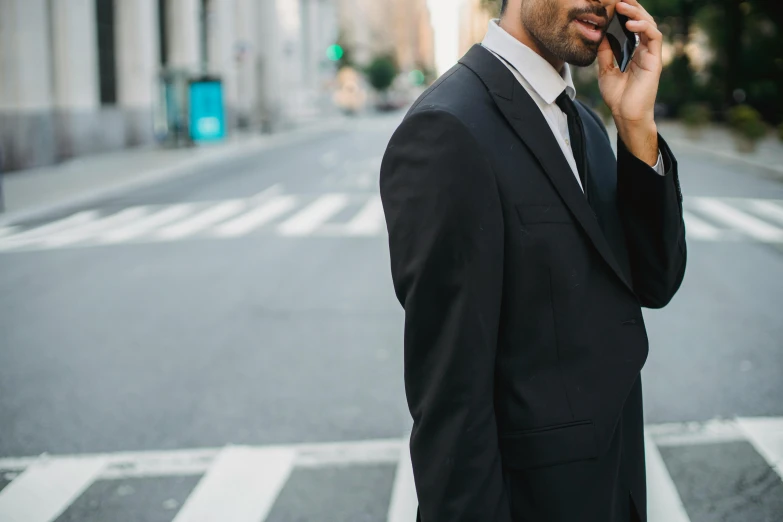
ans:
(292, 335)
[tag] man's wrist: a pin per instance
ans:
(641, 140)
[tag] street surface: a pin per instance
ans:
(227, 346)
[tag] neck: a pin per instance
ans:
(511, 22)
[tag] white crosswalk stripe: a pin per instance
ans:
(257, 217)
(766, 435)
(369, 221)
(7, 231)
(768, 209)
(329, 215)
(150, 223)
(314, 215)
(91, 228)
(47, 487)
(36, 233)
(663, 501)
(738, 219)
(243, 483)
(696, 228)
(202, 220)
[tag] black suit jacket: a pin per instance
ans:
(524, 335)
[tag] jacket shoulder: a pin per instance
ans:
(458, 92)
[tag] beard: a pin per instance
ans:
(545, 25)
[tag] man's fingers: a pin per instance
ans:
(605, 56)
(650, 33)
(633, 11)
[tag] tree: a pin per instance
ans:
(381, 73)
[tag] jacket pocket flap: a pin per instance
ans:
(549, 446)
(543, 214)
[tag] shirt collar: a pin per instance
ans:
(539, 73)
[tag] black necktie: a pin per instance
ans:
(576, 130)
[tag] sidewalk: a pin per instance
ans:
(28, 193)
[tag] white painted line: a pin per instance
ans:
(256, 217)
(404, 501)
(241, 486)
(34, 234)
(267, 193)
(767, 209)
(766, 435)
(663, 502)
(7, 231)
(737, 219)
(314, 215)
(695, 228)
(210, 216)
(148, 224)
(196, 461)
(342, 453)
(94, 228)
(47, 488)
(369, 221)
(695, 433)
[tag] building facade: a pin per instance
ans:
(400, 28)
(473, 22)
(82, 76)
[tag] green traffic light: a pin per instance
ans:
(416, 77)
(334, 53)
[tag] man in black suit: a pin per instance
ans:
(522, 251)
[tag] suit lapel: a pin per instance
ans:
(526, 119)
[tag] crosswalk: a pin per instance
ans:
(326, 215)
(246, 483)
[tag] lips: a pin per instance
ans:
(590, 28)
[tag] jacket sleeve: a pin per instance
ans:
(650, 207)
(445, 225)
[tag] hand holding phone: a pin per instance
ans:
(622, 40)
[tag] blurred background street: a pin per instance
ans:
(197, 321)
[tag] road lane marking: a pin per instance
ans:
(47, 488)
(695, 433)
(256, 217)
(737, 219)
(7, 231)
(695, 228)
(241, 485)
(197, 461)
(148, 224)
(369, 221)
(91, 229)
(663, 501)
(767, 209)
(314, 215)
(194, 224)
(267, 193)
(766, 436)
(33, 235)
(404, 501)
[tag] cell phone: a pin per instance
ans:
(623, 41)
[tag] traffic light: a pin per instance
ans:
(416, 77)
(335, 52)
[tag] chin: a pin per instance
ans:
(581, 53)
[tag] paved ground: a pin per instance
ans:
(230, 340)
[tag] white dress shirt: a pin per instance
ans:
(543, 83)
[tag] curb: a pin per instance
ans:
(231, 151)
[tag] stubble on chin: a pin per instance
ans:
(563, 42)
